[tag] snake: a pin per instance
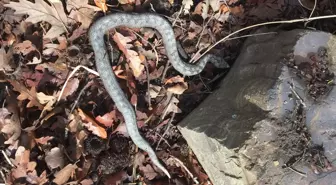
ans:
(139, 20)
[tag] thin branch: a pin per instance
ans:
(71, 74)
(258, 25)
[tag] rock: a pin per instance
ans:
(243, 132)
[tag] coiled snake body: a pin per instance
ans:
(96, 35)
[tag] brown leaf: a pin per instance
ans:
(42, 11)
(25, 47)
(12, 128)
(71, 87)
(148, 171)
(54, 158)
(101, 4)
(126, 1)
(176, 85)
(63, 176)
(5, 59)
(82, 12)
(107, 119)
(26, 94)
(43, 140)
(135, 60)
(92, 125)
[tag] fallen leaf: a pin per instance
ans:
(176, 85)
(5, 59)
(26, 94)
(25, 47)
(63, 176)
(11, 127)
(70, 88)
(54, 158)
(187, 4)
(92, 125)
(148, 172)
(82, 12)
(135, 60)
(42, 11)
(126, 1)
(101, 4)
(43, 140)
(107, 119)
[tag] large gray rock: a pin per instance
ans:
(236, 132)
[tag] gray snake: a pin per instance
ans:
(96, 35)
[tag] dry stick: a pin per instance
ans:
(166, 131)
(185, 168)
(80, 94)
(7, 159)
(258, 25)
(71, 74)
(311, 13)
(203, 28)
(146, 66)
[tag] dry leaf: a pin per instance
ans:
(92, 125)
(135, 60)
(25, 47)
(63, 176)
(12, 128)
(42, 11)
(177, 85)
(107, 119)
(26, 94)
(148, 171)
(82, 12)
(5, 59)
(71, 87)
(43, 140)
(126, 1)
(54, 158)
(187, 5)
(101, 4)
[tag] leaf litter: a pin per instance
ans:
(83, 138)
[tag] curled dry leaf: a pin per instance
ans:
(92, 125)
(54, 158)
(42, 11)
(64, 175)
(107, 119)
(177, 85)
(11, 127)
(135, 60)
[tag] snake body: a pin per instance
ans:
(96, 35)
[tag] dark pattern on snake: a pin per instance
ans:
(96, 34)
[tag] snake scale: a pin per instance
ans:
(96, 35)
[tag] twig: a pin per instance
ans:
(185, 168)
(7, 159)
(291, 86)
(297, 171)
(79, 95)
(166, 131)
(203, 28)
(311, 13)
(258, 25)
(148, 87)
(3, 177)
(71, 74)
